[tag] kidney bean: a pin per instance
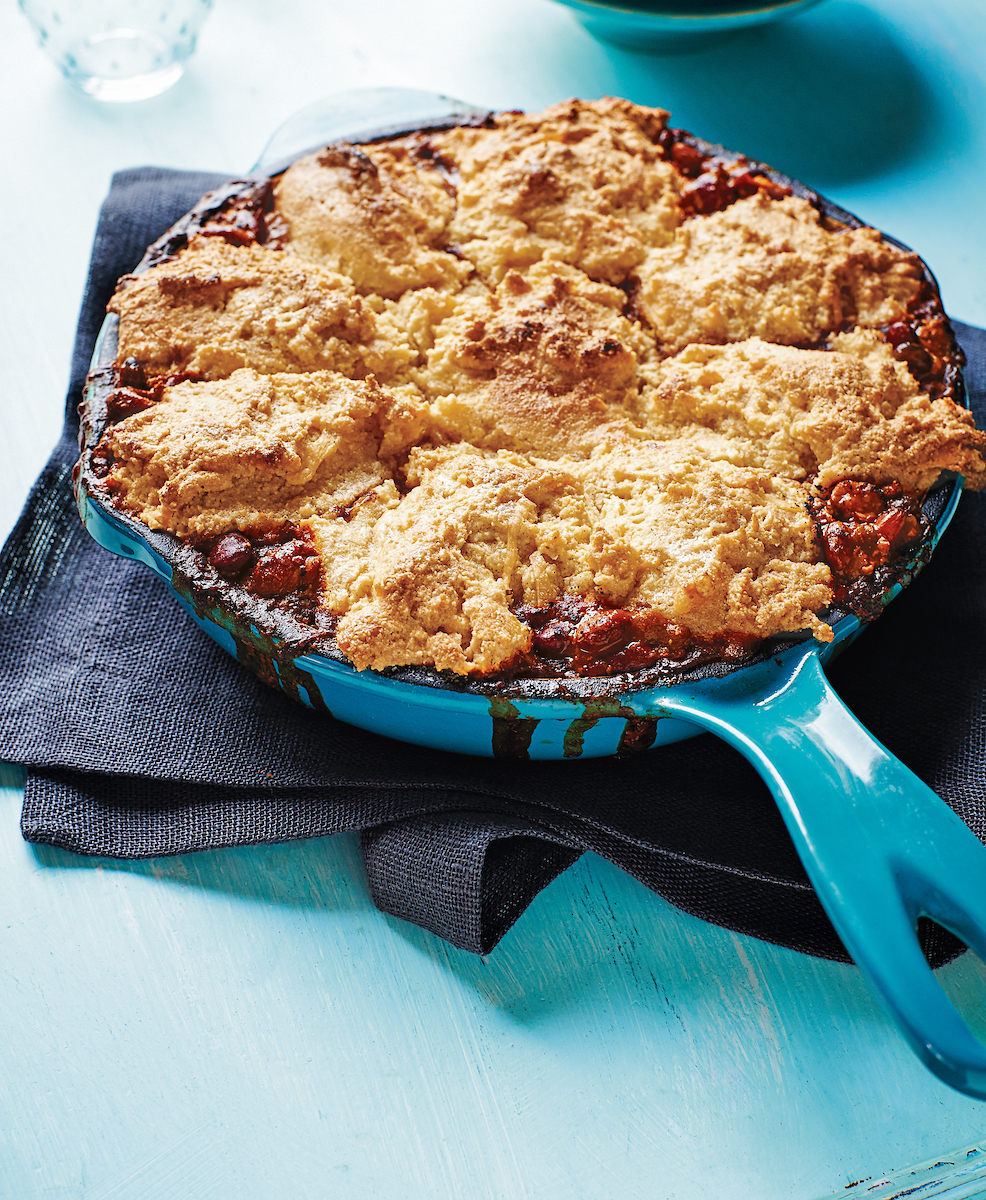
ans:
(890, 524)
(279, 570)
(838, 548)
(688, 159)
(553, 639)
(633, 657)
(231, 555)
(131, 374)
(604, 630)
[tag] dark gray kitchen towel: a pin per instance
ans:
(142, 738)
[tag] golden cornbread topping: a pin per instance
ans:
(568, 393)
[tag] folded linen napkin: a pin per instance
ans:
(142, 738)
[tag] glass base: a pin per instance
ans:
(140, 87)
(123, 65)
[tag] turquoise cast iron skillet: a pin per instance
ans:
(880, 848)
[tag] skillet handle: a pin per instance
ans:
(880, 848)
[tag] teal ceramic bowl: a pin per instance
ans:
(678, 25)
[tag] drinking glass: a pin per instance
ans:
(118, 50)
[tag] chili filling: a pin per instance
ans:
(575, 636)
(864, 528)
(924, 340)
(280, 564)
(133, 390)
(715, 182)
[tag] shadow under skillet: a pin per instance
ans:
(561, 954)
(594, 941)
(586, 931)
(589, 942)
(830, 97)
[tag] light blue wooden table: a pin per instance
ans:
(244, 1023)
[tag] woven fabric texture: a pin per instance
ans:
(142, 738)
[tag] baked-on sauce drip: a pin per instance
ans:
(575, 636)
(716, 182)
(863, 527)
